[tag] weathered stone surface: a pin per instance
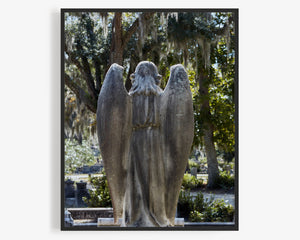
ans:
(145, 139)
(69, 189)
(104, 222)
(114, 129)
(90, 213)
(194, 171)
(81, 192)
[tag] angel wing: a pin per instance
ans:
(177, 132)
(114, 130)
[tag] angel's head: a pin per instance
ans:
(145, 80)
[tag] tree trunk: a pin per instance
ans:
(116, 51)
(212, 163)
(119, 40)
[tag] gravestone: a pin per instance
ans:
(85, 169)
(194, 171)
(81, 192)
(69, 189)
(96, 167)
(69, 193)
(145, 138)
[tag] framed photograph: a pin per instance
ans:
(149, 119)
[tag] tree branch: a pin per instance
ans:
(97, 74)
(132, 29)
(74, 60)
(81, 94)
(221, 31)
(92, 39)
(87, 74)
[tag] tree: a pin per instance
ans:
(222, 99)
(91, 53)
(201, 34)
(202, 41)
(90, 49)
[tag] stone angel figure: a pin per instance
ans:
(145, 138)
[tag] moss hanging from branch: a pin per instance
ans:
(104, 21)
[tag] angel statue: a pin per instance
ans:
(145, 138)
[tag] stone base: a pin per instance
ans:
(90, 213)
(109, 222)
(106, 222)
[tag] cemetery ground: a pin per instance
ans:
(218, 193)
(196, 202)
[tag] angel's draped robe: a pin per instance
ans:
(146, 174)
(145, 142)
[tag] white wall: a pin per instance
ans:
(30, 119)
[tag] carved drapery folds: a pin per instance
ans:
(145, 138)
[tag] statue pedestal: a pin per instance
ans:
(109, 222)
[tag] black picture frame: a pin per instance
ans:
(204, 226)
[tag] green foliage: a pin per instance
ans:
(194, 164)
(193, 83)
(225, 181)
(86, 53)
(185, 204)
(222, 99)
(204, 210)
(215, 211)
(191, 182)
(178, 39)
(77, 155)
(100, 196)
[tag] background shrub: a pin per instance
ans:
(204, 210)
(190, 182)
(215, 211)
(185, 204)
(225, 181)
(100, 196)
(77, 155)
